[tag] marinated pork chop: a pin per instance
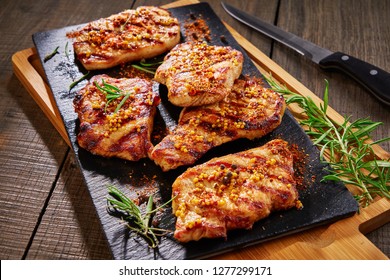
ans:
(234, 191)
(250, 111)
(198, 74)
(128, 36)
(116, 117)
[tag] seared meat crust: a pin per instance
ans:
(198, 74)
(125, 133)
(127, 36)
(250, 111)
(234, 191)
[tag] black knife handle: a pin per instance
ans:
(376, 80)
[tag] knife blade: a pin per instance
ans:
(374, 79)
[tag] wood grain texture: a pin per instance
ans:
(354, 27)
(358, 28)
(55, 212)
(30, 150)
(70, 228)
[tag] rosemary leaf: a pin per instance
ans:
(149, 208)
(72, 85)
(377, 163)
(111, 87)
(380, 141)
(148, 67)
(150, 64)
(145, 69)
(50, 56)
(66, 50)
(122, 102)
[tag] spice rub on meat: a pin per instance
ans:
(116, 117)
(234, 191)
(127, 36)
(198, 74)
(250, 111)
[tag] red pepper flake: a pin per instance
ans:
(196, 29)
(127, 71)
(300, 160)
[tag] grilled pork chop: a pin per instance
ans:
(128, 36)
(250, 111)
(116, 117)
(198, 74)
(234, 191)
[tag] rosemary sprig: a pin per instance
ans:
(148, 67)
(72, 85)
(66, 51)
(112, 93)
(137, 221)
(347, 146)
(50, 56)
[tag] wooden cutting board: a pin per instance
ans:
(343, 239)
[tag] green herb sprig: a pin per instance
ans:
(136, 220)
(112, 93)
(66, 51)
(51, 55)
(148, 67)
(347, 145)
(72, 85)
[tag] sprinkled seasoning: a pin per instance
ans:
(300, 161)
(196, 29)
(127, 71)
(234, 191)
(124, 37)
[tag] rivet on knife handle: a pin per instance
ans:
(376, 80)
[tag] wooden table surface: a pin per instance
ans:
(45, 210)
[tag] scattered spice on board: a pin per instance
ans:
(128, 71)
(300, 161)
(223, 39)
(196, 29)
(143, 188)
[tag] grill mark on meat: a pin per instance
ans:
(234, 191)
(198, 74)
(127, 36)
(250, 111)
(125, 133)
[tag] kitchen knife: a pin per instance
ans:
(374, 79)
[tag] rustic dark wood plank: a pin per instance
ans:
(31, 149)
(381, 239)
(70, 228)
(36, 167)
(358, 28)
(29, 163)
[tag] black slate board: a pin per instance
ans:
(323, 203)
